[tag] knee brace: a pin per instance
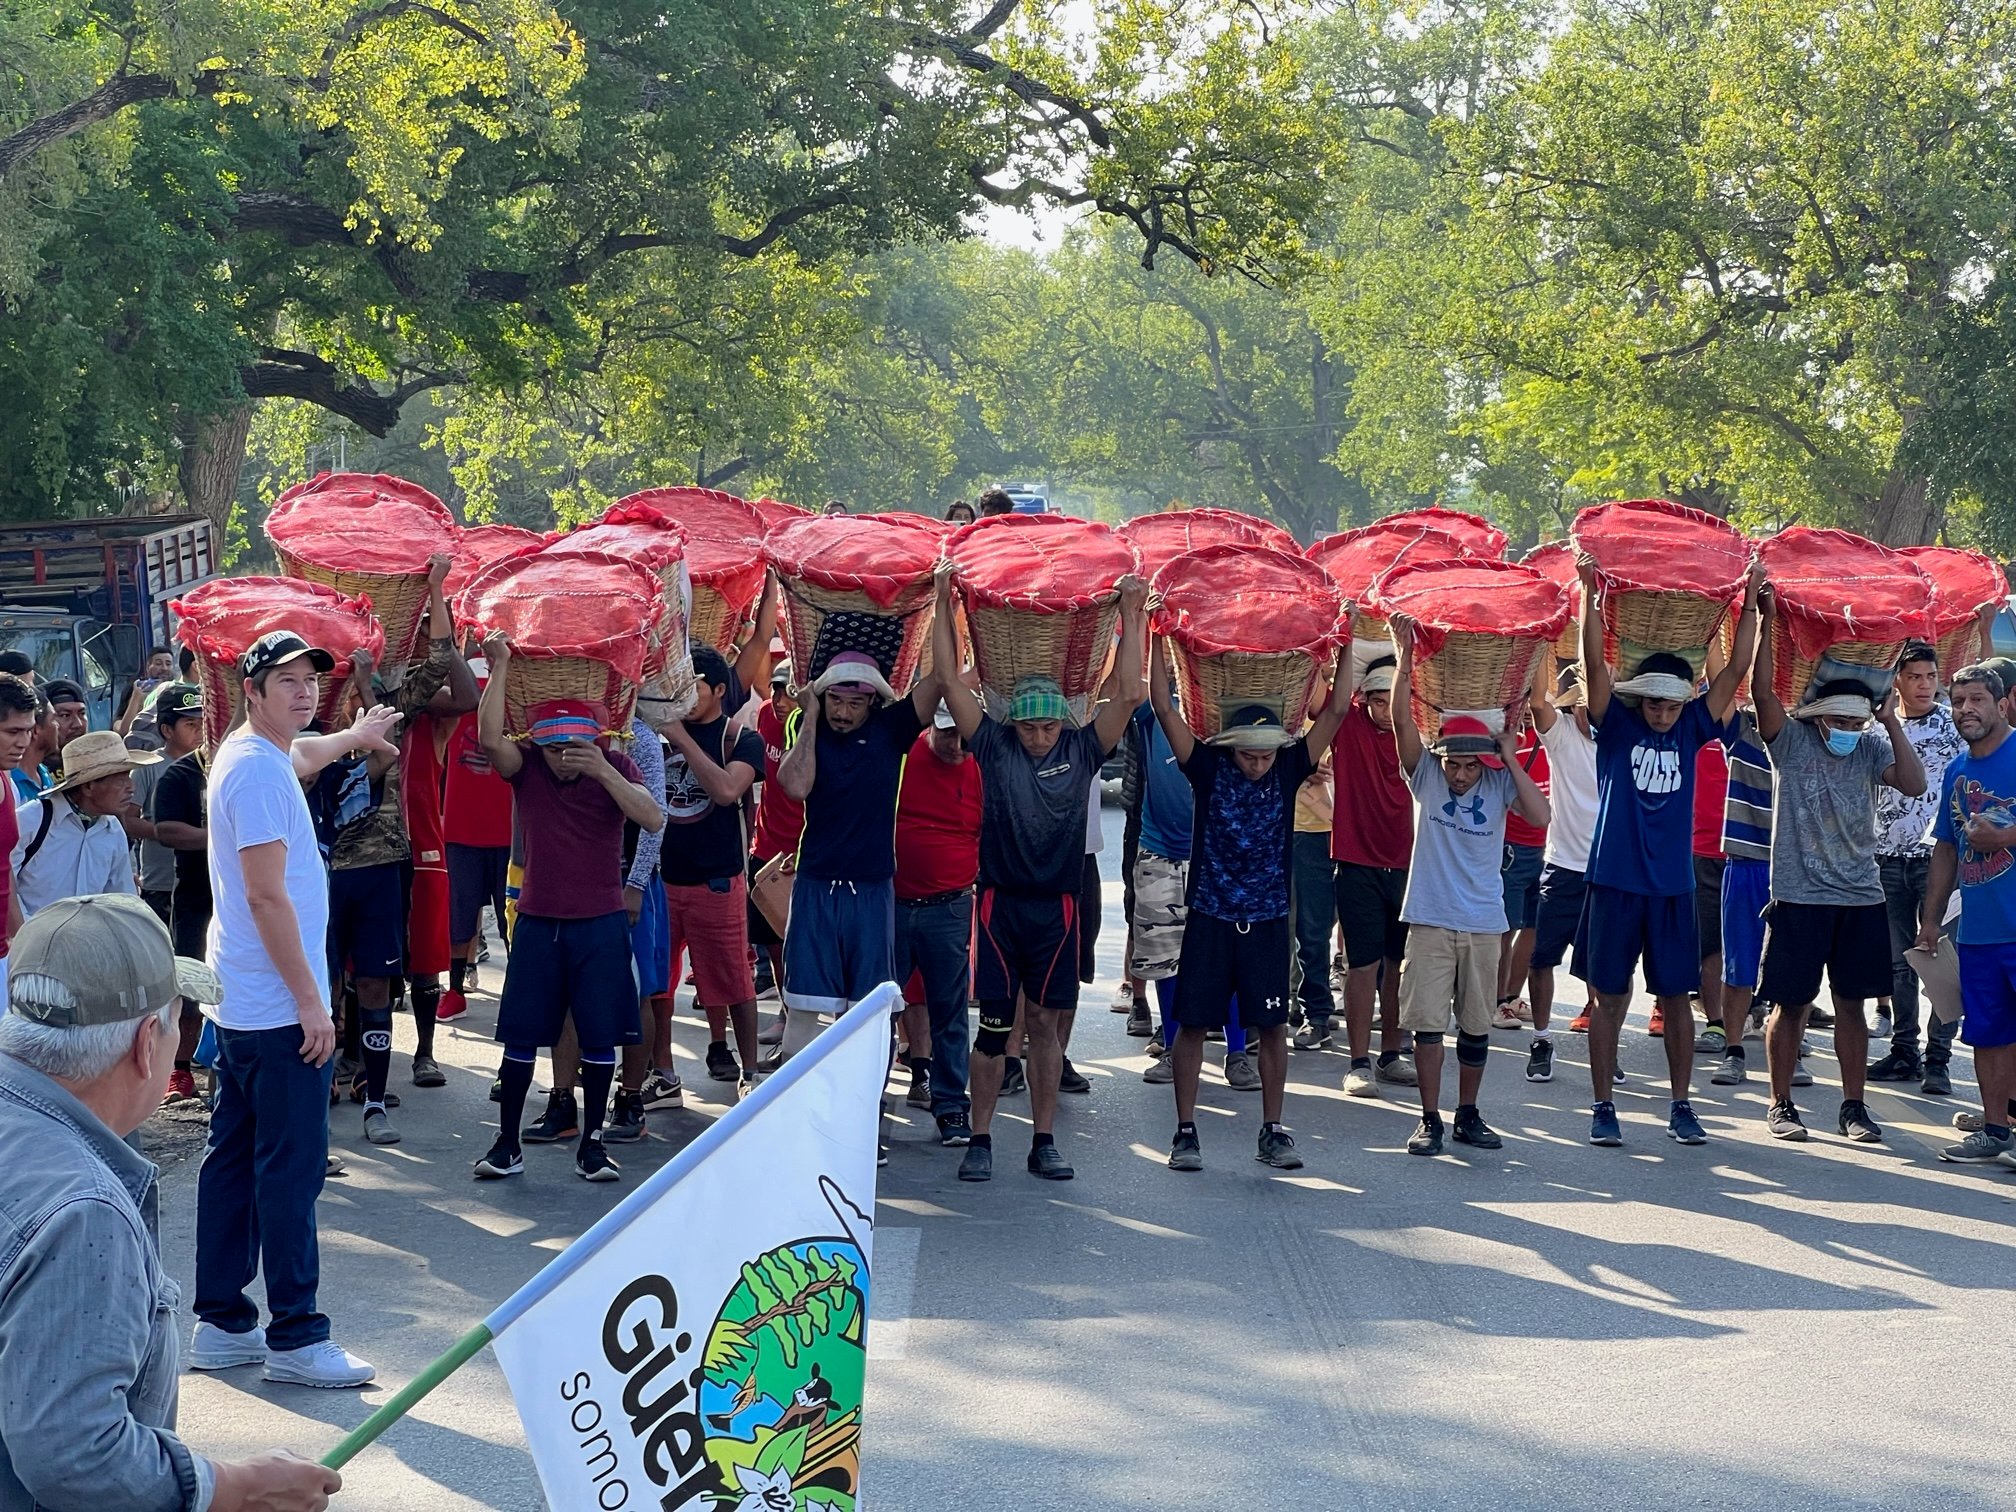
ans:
(992, 1042)
(996, 1019)
(1473, 1049)
(524, 1055)
(1422, 1037)
(598, 1057)
(377, 1026)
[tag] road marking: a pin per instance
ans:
(892, 1285)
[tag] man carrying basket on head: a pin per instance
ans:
(1639, 904)
(1036, 769)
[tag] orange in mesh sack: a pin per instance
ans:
(857, 583)
(219, 620)
(1479, 536)
(1964, 582)
(366, 533)
(724, 556)
(1479, 628)
(1163, 537)
(477, 546)
(1041, 600)
(1250, 625)
(579, 625)
(1666, 576)
(1846, 606)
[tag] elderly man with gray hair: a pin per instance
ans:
(88, 1357)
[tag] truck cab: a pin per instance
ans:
(101, 658)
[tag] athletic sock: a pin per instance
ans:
(1466, 1108)
(426, 1003)
(184, 1065)
(1996, 1131)
(595, 1080)
(1543, 1037)
(514, 1079)
(1361, 1063)
(1386, 1057)
(984, 1141)
(377, 1054)
(1186, 1128)
(1037, 1141)
(458, 975)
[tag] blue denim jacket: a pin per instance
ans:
(88, 1355)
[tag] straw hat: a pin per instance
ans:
(100, 753)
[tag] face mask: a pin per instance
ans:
(1843, 742)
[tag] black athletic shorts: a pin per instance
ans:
(1558, 915)
(1850, 942)
(569, 966)
(476, 876)
(1708, 902)
(1028, 945)
(367, 922)
(190, 925)
(1223, 961)
(1091, 913)
(1368, 911)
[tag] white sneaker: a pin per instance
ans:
(1358, 1082)
(326, 1364)
(1507, 1016)
(215, 1349)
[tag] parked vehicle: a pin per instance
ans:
(88, 599)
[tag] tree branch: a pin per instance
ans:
(284, 374)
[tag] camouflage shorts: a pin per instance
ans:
(1159, 913)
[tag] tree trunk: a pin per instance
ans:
(213, 454)
(1905, 513)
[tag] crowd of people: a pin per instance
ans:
(806, 840)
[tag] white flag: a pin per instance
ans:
(704, 1345)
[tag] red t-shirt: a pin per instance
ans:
(477, 805)
(937, 823)
(573, 841)
(1372, 820)
(1711, 791)
(780, 818)
(10, 831)
(1534, 759)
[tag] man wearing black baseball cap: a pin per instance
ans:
(165, 796)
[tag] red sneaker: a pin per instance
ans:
(181, 1087)
(453, 1005)
(1657, 1028)
(1580, 1024)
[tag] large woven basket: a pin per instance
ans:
(1846, 607)
(220, 619)
(640, 533)
(368, 534)
(1666, 575)
(1357, 558)
(1555, 560)
(724, 557)
(1480, 630)
(857, 583)
(1964, 582)
(1169, 533)
(1248, 625)
(533, 679)
(1041, 600)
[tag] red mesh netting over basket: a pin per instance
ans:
(477, 546)
(1256, 599)
(1964, 582)
(1479, 629)
(645, 535)
(1832, 586)
(361, 523)
(1669, 548)
(1161, 538)
(724, 555)
(1354, 558)
(220, 619)
(776, 513)
(1044, 564)
(1554, 560)
(1478, 535)
(881, 555)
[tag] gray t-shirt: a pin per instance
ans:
(1459, 848)
(1823, 835)
(157, 862)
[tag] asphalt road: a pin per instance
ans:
(1741, 1324)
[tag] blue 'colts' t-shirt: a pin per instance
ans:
(1645, 800)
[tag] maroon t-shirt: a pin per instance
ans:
(573, 841)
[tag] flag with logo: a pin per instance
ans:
(704, 1345)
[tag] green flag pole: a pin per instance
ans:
(409, 1396)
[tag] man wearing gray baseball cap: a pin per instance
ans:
(87, 1314)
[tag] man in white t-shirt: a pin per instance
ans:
(1562, 719)
(269, 1132)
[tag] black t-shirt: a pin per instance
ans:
(850, 814)
(704, 840)
(180, 798)
(1032, 826)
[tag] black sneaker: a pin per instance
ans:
(1784, 1122)
(721, 1062)
(1427, 1138)
(561, 1120)
(919, 1095)
(427, 1072)
(593, 1163)
(1070, 1081)
(1013, 1079)
(1277, 1149)
(626, 1119)
(1472, 1130)
(503, 1160)
(1540, 1061)
(1856, 1123)
(1140, 1023)
(1936, 1082)
(978, 1164)
(1897, 1067)
(954, 1132)
(1185, 1153)
(1047, 1161)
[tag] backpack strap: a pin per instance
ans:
(41, 831)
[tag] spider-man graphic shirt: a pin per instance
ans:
(1982, 787)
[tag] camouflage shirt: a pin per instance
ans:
(379, 835)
